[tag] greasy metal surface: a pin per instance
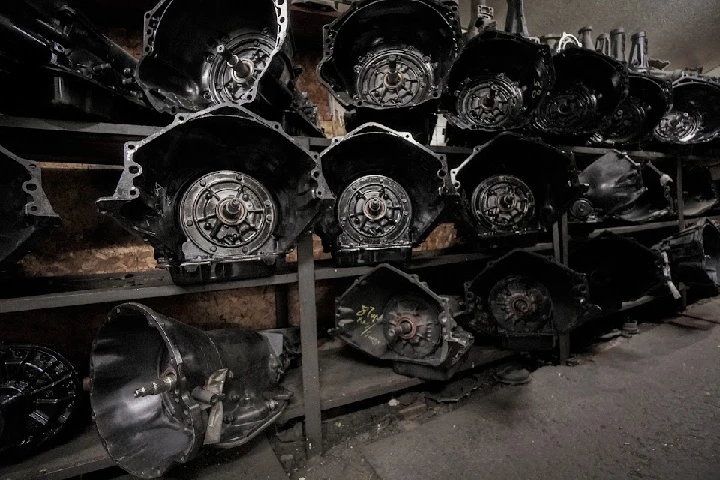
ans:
(393, 316)
(191, 387)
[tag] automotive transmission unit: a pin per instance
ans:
(648, 99)
(160, 389)
(391, 315)
(497, 82)
(694, 256)
(391, 191)
(512, 189)
(24, 208)
(387, 60)
(589, 86)
(220, 194)
(202, 54)
(527, 300)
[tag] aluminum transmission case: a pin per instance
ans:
(161, 389)
(527, 300)
(199, 54)
(221, 194)
(622, 190)
(391, 192)
(695, 114)
(588, 89)
(694, 256)
(497, 82)
(24, 209)
(619, 269)
(391, 315)
(512, 189)
(387, 61)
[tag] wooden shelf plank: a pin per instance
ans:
(81, 455)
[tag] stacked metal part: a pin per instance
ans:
(56, 63)
(390, 193)
(588, 89)
(221, 194)
(621, 190)
(24, 209)
(497, 83)
(527, 301)
(40, 395)
(695, 114)
(648, 100)
(512, 189)
(200, 55)
(160, 389)
(524, 300)
(619, 269)
(694, 257)
(391, 315)
(387, 61)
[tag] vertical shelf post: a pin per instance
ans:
(308, 338)
(679, 193)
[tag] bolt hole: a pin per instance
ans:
(133, 169)
(147, 49)
(316, 174)
(31, 186)
(133, 191)
(33, 208)
(131, 147)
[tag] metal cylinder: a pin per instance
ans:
(602, 44)
(638, 52)
(585, 34)
(617, 45)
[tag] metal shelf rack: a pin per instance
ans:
(322, 382)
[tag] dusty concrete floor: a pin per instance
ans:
(643, 407)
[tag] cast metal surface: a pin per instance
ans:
(40, 394)
(527, 300)
(694, 257)
(589, 86)
(57, 64)
(649, 98)
(695, 114)
(161, 389)
(391, 315)
(391, 192)
(220, 195)
(513, 188)
(622, 190)
(24, 209)
(497, 82)
(387, 61)
(618, 270)
(198, 55)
